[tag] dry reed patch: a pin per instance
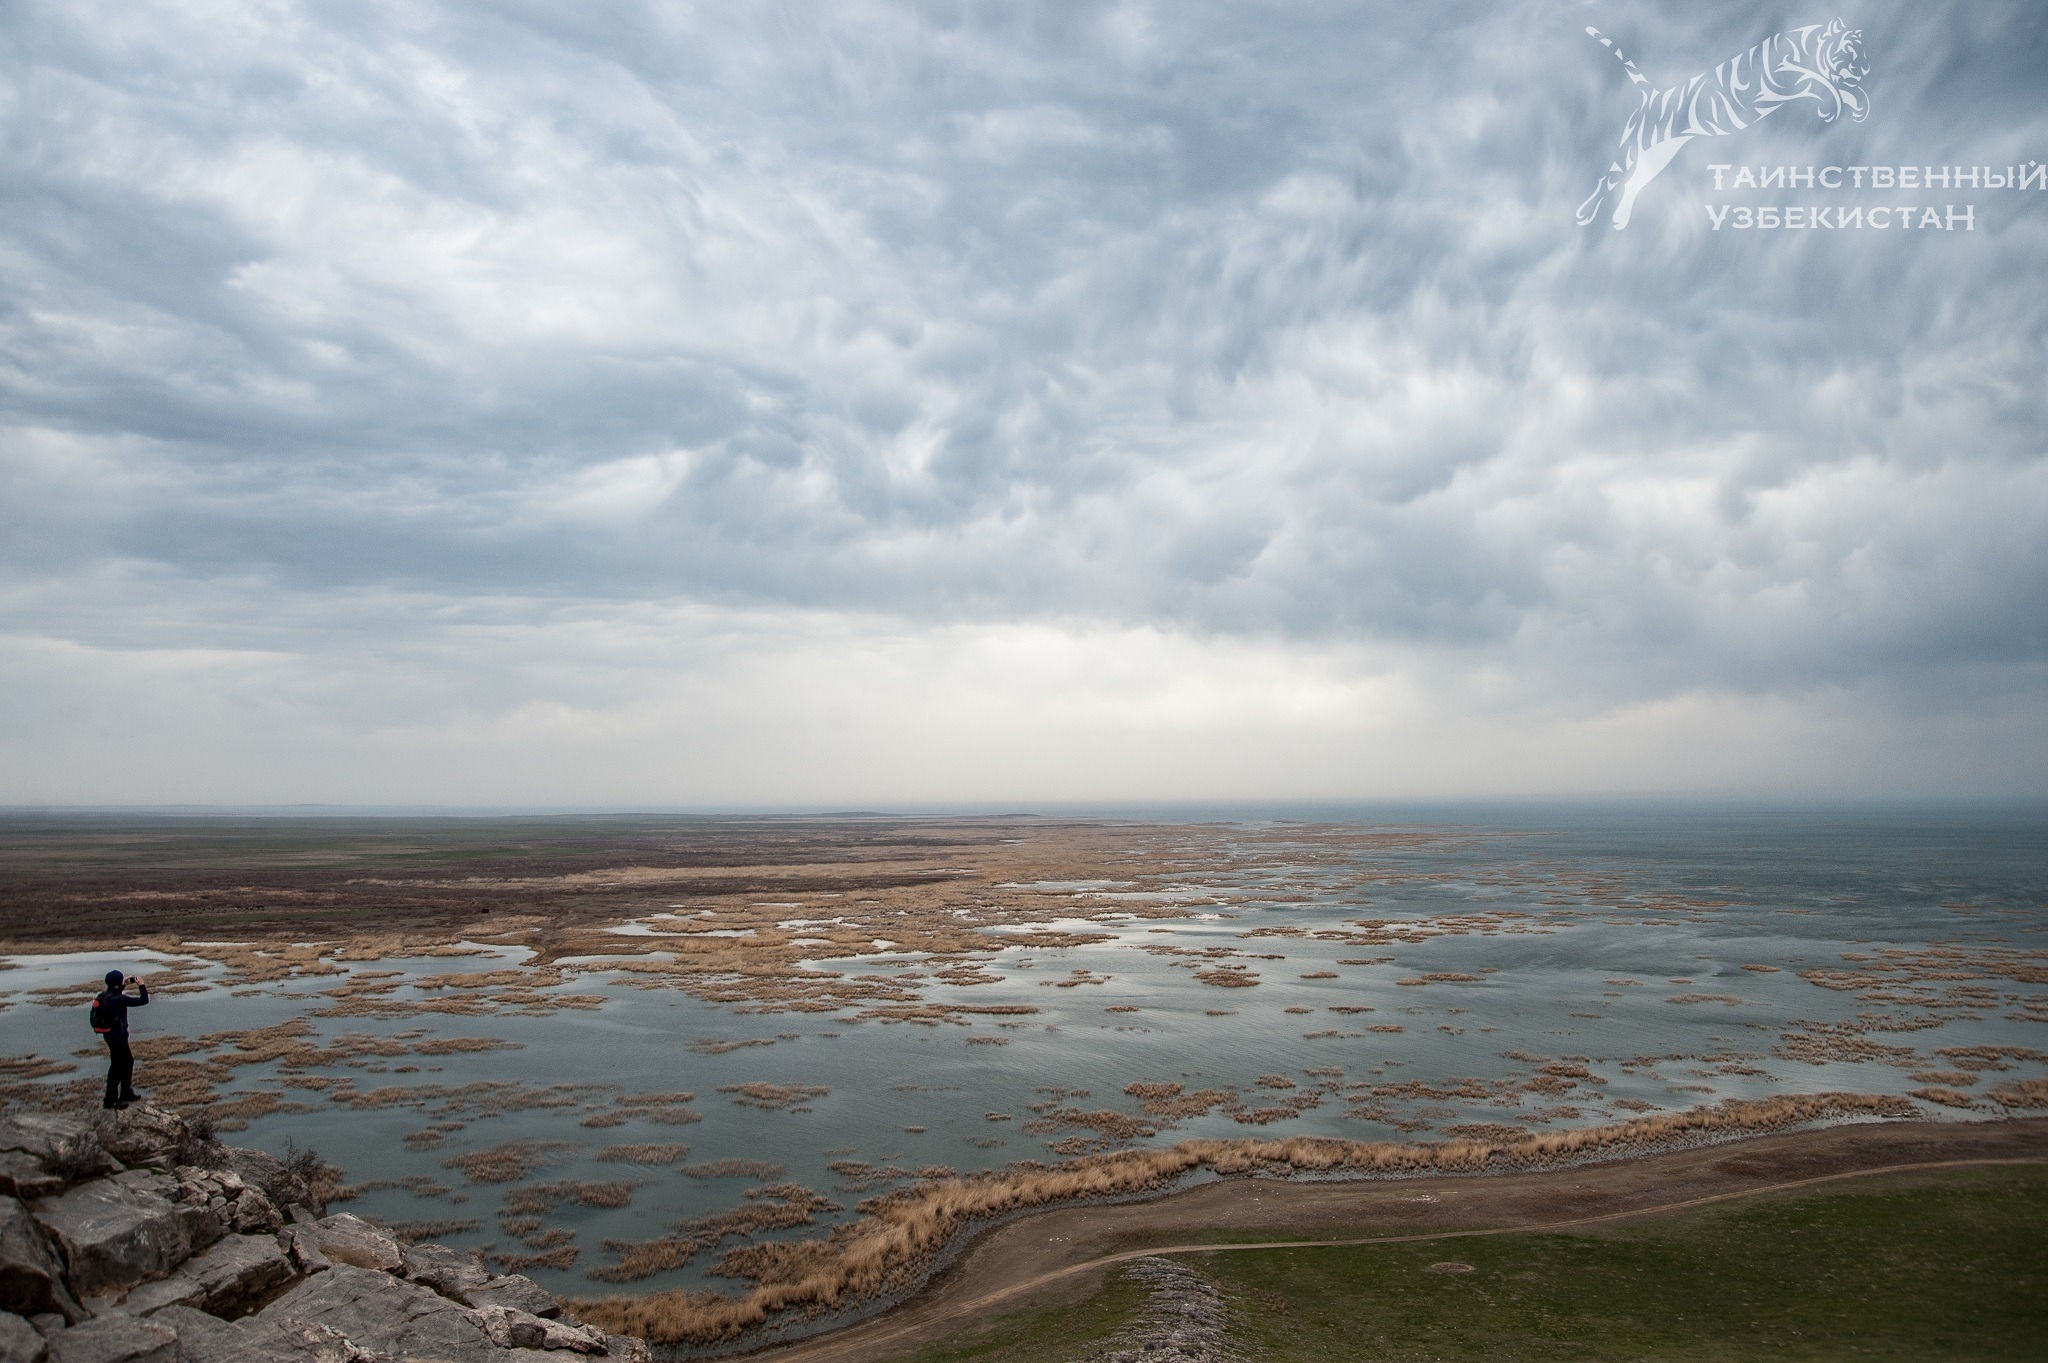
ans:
(1763, 969)
(1818, 1043)
(858, 1176)
(733, 1168)
(773, 1097)
(2023, 1093)
(1116, 1126)
(637, 1259)
(465, 1045)
(1946, 1097)
(1991, 1057)
(1728, 999)
(781, 1206)
(540, 1198)
(1166, 1100)
(414, 1232)
(419, 1185)
(509, 1162)
(643, 1154)
(705, 1045)
(1228, 977)
(564, 1257)
(32, 1067)
(1443, 977)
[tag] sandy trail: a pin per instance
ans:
(1065, 1251)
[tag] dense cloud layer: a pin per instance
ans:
(391, 369)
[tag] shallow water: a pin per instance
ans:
(1626, 913)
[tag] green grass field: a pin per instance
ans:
(1941, 1266)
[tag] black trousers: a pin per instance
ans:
(120, 1070)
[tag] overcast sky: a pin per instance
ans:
(645, 403)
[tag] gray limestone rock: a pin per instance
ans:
(255, 1213)
(207, 1339)
(510, 1329)
(239, 1272)
(142, 1134)
(22, 1175)
(351, 1240)
(20, 1342)
(303, 1250)
(628, 1349)
(115, 1339)
(572, 1336)
(517, 1291)
(224, 1281)
(261, 1169)
(201, 1222)
(150, 1298)
(31, 1275)
(40, 1153)
(115, 1233)
(38, 1133)
(204, 1337)
(386, 1315)
(451, 1272)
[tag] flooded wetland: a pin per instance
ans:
(716, 1076)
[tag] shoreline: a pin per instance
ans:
(1038, 1252)
(903, 1237)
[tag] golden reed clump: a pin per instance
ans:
(887, 1249)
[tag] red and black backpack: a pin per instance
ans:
(104, 1015)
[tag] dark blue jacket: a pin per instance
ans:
(119, 1002)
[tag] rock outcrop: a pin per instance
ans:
(130, 1239)
(19, 1341)
(31, 1274)
(116, 1232)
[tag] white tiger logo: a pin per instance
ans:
(1821, 64)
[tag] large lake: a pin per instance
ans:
(1532, 969)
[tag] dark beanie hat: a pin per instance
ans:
(114, 978)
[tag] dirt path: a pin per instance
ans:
(1066, 1251)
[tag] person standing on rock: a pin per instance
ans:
(110, 1020)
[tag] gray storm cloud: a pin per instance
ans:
(384, 367)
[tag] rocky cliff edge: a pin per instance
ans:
(132, 1239)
